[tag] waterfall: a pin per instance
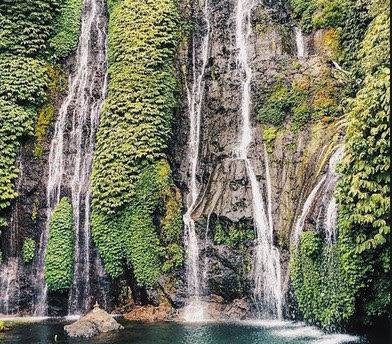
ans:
(328, 182)
(9, 271)
(71, 172)
(266, 267)
(194, 310)
(299, 39)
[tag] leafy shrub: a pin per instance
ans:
(66, 29)
(15, 122)
(26, 25)
(135, 124)
(59, 259)
(28, 250)
(276, 107)
(136, 211)
(135, 232)
(235, 236)
(364, 189)
(23, 80)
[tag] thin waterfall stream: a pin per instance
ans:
(266, 265)
(194, 310)
(327, 181)
(69, 172)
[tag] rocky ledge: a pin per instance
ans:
(149, 313)
(93, 323)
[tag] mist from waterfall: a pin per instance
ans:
(266, 265)
(194, 310)
(69, 170)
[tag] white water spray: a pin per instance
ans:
(266, 269)
(84, 104)
(194, 310)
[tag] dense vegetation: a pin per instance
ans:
(129, 188)
(360, 259)
(59, 259)
(28, 250)
(26, 27)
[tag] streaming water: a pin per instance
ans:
(194, 309)
(327, 182)
(71, 153)
(299, 39)
(266, 265)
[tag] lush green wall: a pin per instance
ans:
(59, 258)
(131, 181)
(26, 78)
(360, 259)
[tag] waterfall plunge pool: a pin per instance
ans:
(242, 332)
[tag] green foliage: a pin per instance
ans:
(15, 122)
(324, 280)
(304, 10)
(66, 29)
(136, 121)
(351, 280)
(2, 324)
(364, 189)
(28, 250)
(23, 80)
(277, 106)
(136, 210)
(26, 25)
(329, 13)
(235, 236)
(304, 102)
(59, 259)
(150, 226)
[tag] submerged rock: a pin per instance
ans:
(96, 322)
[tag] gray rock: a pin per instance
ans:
(96, 322)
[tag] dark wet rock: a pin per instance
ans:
(96, 322)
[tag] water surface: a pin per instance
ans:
(247, 332)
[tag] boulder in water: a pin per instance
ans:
(96, 322)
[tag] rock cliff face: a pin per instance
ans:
(297, 159)
(224, 214)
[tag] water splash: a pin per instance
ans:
(266, 267)
(194, 310)
(72, 171)
(299, 39)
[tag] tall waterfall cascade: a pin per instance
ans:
(266, 265)
(70, 165)
(194, 310)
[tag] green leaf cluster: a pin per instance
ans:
(28, 250)
(15, 122)
(146, 234)
(66, 29)
(236, 235)
(59, 258)
(364, 189)
(325, 281)
(357, 287)
(26, 25)
(303, 102)
(136, 210)
(136, 120)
